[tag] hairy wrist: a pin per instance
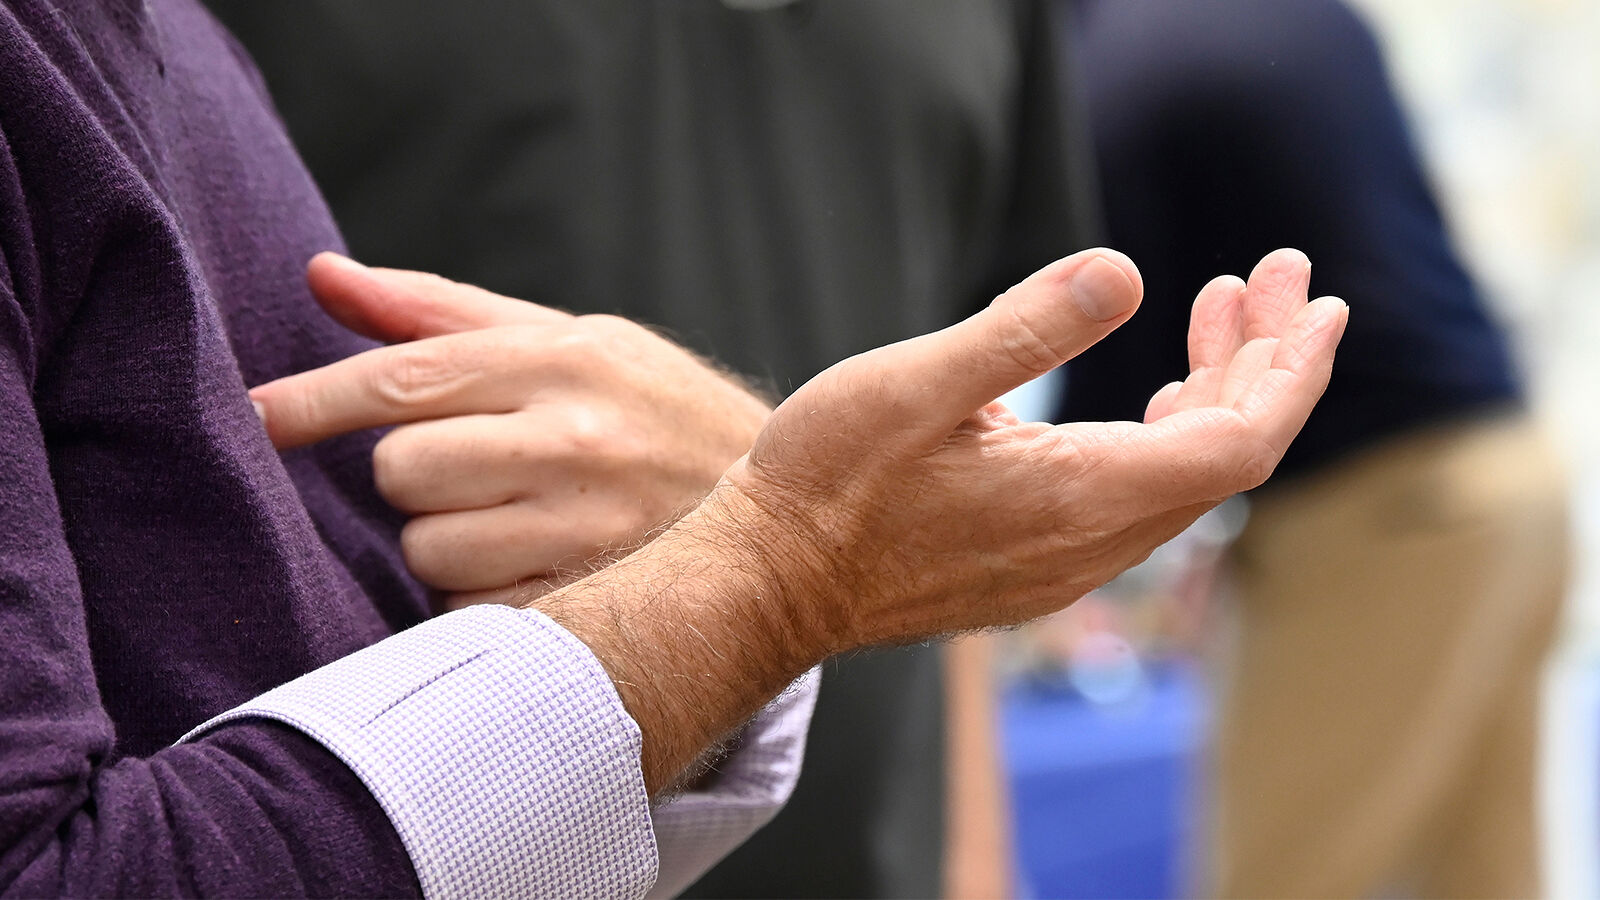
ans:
(693, 630)
(803, 564)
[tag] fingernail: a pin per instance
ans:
(1330, 323)
(261, 411)
(1101, 289)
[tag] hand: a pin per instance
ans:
(891, 499)
(539, 438)
(898, 501)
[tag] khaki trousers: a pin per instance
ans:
(1379, 720)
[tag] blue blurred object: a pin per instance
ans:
(1105, 796)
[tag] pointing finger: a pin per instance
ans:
(443, 376)
(394, 305)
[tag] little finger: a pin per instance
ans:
(1201, 388)
(1163, 403)
(481, 549)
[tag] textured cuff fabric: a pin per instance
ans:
(497, 746)
(695, 830)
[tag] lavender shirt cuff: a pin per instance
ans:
(497, 746)
(695, 830)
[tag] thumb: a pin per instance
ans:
(1050, 317)
(395, 305)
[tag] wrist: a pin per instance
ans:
(785, 600)
(693, 630)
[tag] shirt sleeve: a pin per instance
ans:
(501, 752)
(696, 830)
(481, 754)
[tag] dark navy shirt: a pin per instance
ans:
(1225, 130)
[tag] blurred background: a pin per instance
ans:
(785, 182)
(1504, 100)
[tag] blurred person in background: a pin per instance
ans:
(783, 184)
(1399, 584)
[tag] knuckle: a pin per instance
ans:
(622, 335)
(623, 527)
(1257, 464)
(1251, 457)
(591, 434)
(419, 375)
(575, 349)
(609, 325)
(1026, 345)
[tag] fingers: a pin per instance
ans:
(1200, 389)
(394, 305)
(1164, 403)
(1247, 367)
(464, 462)
(482, 549)
(443, 376)
(1228, 315)
(1232, 449)
(1277, 290)
(519, 594)
(1052, 316)
(1216, 326)
(1209, 452)
(1278, 403)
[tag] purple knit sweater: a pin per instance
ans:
(159, 562)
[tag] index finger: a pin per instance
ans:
(428, 379)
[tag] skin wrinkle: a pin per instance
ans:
(880, 504)
(1026, 347)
